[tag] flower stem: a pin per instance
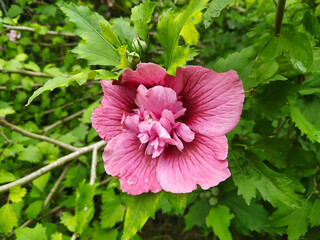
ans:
(279, 17)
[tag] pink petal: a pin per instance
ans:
(136, 171)
(117, 100)
(184, 132)
(148, 74)
(157, 99)
(199, 163)
(213, 100)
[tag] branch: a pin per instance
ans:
(77, 114)
(59, 162)
(279, 17)
(30, 29)
(26, 72)
(36, 136)
(55, 187)
(93, 174)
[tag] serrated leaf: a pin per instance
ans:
(252, 217)
(30, 154)
(310, 130)
(84, 195)
(296, 220)
(8, 218)
(109, 34)
(123, 54)
(34, 209)
(41, 182)
(124, 31)
(6, 111)
(219, 219)
(16, 193)
(139, 209)
(251, 175)
(69, 221)
(38, 232)
(63, 81)
(178, 201)
(214, 9)
(6, 176)
(197, 214)
(141, 16)
(56, 236)
(189, 32)
(314, 215)
(168, 32)
(94, 47)
(112, 209)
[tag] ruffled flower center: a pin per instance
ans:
(155, 120)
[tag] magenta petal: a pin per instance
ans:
(136, 171)
(157, 99)
(117, 100)
(180, 172)
(213, 100)
(148, 74)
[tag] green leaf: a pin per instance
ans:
(178, 201)
(123, 54)
(109, 34)
(63, 81)
(112, 209)
(69, 221)
(38, 232)
(310, 130)
(252, 217)
(56, 236)
(14, 11)
(297, 220)
(94, 47)
(219, 219)
(168, 33)
(239, 61)
(298, 48)
(251, 175)
(6, 111)
(84, 195)
(139, 209)
(315, 213)
(197, 214)
(86, 117)
(8, 218)
(41, 182)
(17, 193)
(34, 209)
(6, 177)
(123, 30)
(214, 9)
(30, 154)
(141, 16)
(189, 32)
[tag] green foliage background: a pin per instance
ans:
(54, 68)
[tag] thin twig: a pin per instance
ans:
(3, 6)
(26, 72)
(30, 29)
(36, 136)
(55, 187)
(105, 181)
(93, 174)
(73, 102)
(279, 17)
(36, 85)
(5, 137)
(59, 162)
(77, 114)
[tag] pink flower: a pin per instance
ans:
(13, 35)
(167, 132)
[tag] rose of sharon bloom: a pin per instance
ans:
(166, 132)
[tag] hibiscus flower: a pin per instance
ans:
(168, 132)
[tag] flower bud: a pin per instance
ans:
(213, 201)
(133, 58)
(215, 191)
(139, 44)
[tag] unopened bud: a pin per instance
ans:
(133, 58)
(213, 201)
(215, 191)
(139, 44)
